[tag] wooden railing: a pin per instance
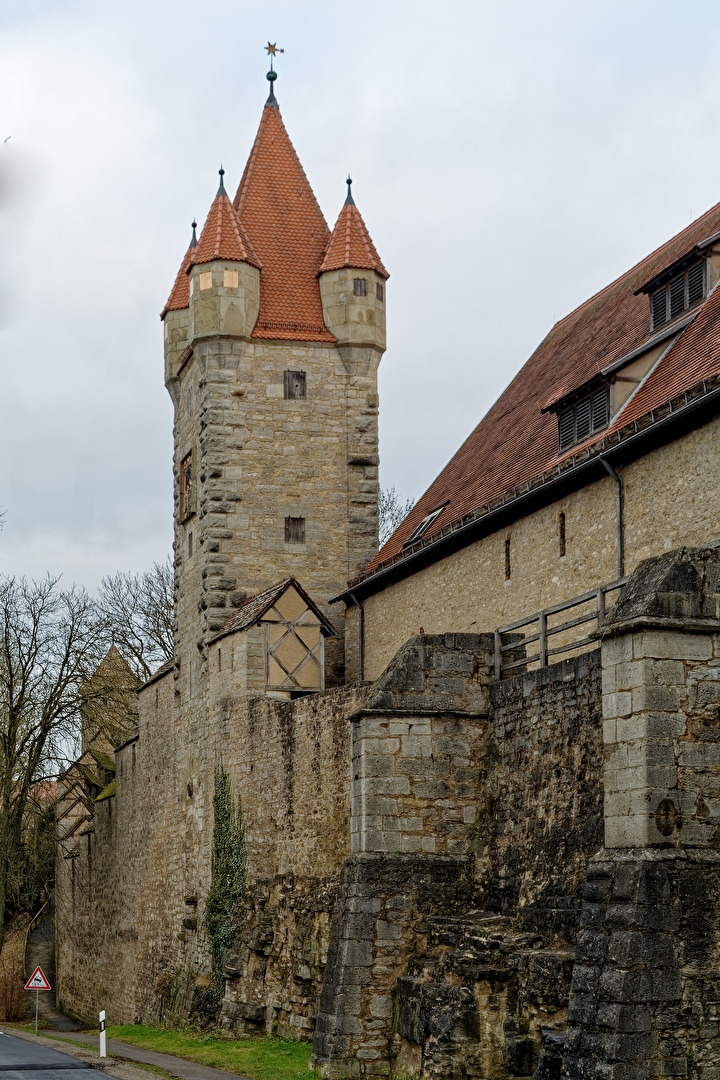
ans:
(511, 655)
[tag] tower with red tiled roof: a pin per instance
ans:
(274, 330)
(352, 282)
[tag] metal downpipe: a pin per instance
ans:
(620, 527)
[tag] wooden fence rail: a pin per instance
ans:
(513, 654)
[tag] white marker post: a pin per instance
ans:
(102, 1035)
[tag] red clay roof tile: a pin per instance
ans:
(516, 441)
(223, 237)
(350, 244)
(281, 216)
(180, 293)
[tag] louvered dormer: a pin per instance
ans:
(679, 294)
(582, 415)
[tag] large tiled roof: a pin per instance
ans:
(350, 244)
(223, 237)
(280, 214)
(517, 442)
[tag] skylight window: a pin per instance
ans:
(423, 527)
(680, 293)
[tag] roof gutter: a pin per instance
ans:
(480, 526)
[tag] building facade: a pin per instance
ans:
(426, 813)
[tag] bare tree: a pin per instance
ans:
(137, 611)
(392, 509)
(50, 645)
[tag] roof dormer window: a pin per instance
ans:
(680, 293)
(584, 416)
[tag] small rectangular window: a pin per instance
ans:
(561, 535)
(294, 530)
(360, 286)
(295, 385)
(205, 280)
(380, 291)
(190, 545)
(508, 568)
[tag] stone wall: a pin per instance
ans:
(667, 502)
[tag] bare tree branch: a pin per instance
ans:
(392, 509)
(137, 611)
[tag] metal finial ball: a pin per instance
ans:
(193, 224)
(221, 171)
(271, 76)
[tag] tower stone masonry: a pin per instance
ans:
(273, 335)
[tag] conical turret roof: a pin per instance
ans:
(280, 214)
(350, 243)
(223, 237)
(180, 293)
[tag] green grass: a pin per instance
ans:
(262, 1059)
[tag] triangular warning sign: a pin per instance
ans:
(37, 981)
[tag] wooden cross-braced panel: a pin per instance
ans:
(295, 646)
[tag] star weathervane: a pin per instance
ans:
(272, 50)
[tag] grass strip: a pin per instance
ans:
(265, 1058)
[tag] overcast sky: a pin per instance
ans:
(509, 160)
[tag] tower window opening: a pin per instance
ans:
(360, 286)
(295, 385)
(508, 567)
(380, 291)
(190, 545)
(205, 280)
(294, 530)
(561, 535)
(231, 279)
(187, 486)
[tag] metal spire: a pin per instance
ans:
(221, 190)
(193, 242)
(349, 201)
(271, 49)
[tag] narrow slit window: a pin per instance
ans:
(295, 385)
(187, 486)
(294, 530)
(190, 545)
(561, 535)
(360, 286)
(508, 567)
(380, 291)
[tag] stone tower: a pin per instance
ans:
(273, 334)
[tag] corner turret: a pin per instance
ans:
(224, 275)
(352, 282)
(176, 315)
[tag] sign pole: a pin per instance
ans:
(37, 1001)
(102, 1035)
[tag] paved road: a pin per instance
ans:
(22, 1060)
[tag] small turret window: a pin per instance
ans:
(205, 280)
(231, 279)
(681, 293)
(360, 286)
(380, 291)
